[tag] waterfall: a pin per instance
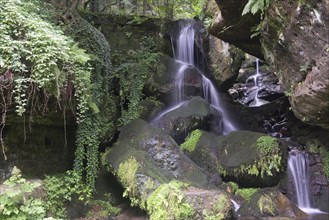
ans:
(298, 165)
(184, 54)
(236, 205)
(256, 79)
(298, 170)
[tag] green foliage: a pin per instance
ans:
(266, 205)
(219, 209)
(266, 144)
(168, 202)
(132, 75)
(191, 141)
(254, 6)
(101, 209)
(246, 193)
(40, 56)
(16, 202)
(269, 159)
(62, 189)
(127, 175)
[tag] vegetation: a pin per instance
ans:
(269, 159)
(254, 7)
(246, 193)
(62, 189)
(168, 202)
(191, 141)
(127, 175)
(219, 208)
(16, 201)
(132, 75)
(266, 205)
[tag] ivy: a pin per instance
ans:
(132, 76)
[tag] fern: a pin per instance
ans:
(254, 6)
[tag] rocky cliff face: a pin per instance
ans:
(295, 41)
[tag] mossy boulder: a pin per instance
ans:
(191, 114)
(270, 202)
(176, 200)
(144, 157)
(249, 158)
(159, 178)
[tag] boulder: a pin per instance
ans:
(161, 82)
(270, 202)
(229, 25)
(159, 178)
(295, 42)
(189, 115)
(224, 62)
(248, 158)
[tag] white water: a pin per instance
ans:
(256, 78)
(298, 169)
(184, 54)
(236, 205)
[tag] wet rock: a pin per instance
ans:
(192, 114)
(270, 202)
(323, 202)
(228, 25)
(160, 179)
(255, 88)
(239, 157)
(224, 62)
(295, 42)
(161, 82)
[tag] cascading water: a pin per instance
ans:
(184, 53)
(298, 170)
(256, 78)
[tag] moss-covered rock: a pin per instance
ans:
(190, 115)
(177, 200)
(157, 157)
(159, 178)
(248, 158)
(269, 202)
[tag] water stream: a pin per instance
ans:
(256, 79)
(298, 170)
(184, 54)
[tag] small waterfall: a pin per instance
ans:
(298, 170)
(298, 165)
(256, 79)
(184, 53)
(236, 205)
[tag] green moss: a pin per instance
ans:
(234, 186)
(246, 193)
(127, 175)
(191, 141)
(266, 205)
(168, 202)
(266, 144)
(219, 209)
